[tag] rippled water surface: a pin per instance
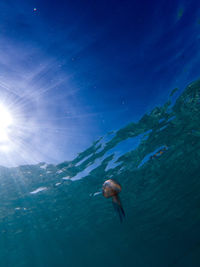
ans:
(55, 215)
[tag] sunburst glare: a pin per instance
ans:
(6, 121)
(40, 112)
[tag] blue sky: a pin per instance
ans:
(71, 71)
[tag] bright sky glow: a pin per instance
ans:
(6, 120)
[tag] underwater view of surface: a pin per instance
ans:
(98, 97)
(55, 215)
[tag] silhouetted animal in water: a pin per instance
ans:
(112, 188)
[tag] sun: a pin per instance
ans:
(6, 121)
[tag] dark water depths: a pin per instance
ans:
(51, 217)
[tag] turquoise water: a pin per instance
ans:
(55, 215)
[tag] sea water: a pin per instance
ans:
(55, 215)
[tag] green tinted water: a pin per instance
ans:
(50, 216)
